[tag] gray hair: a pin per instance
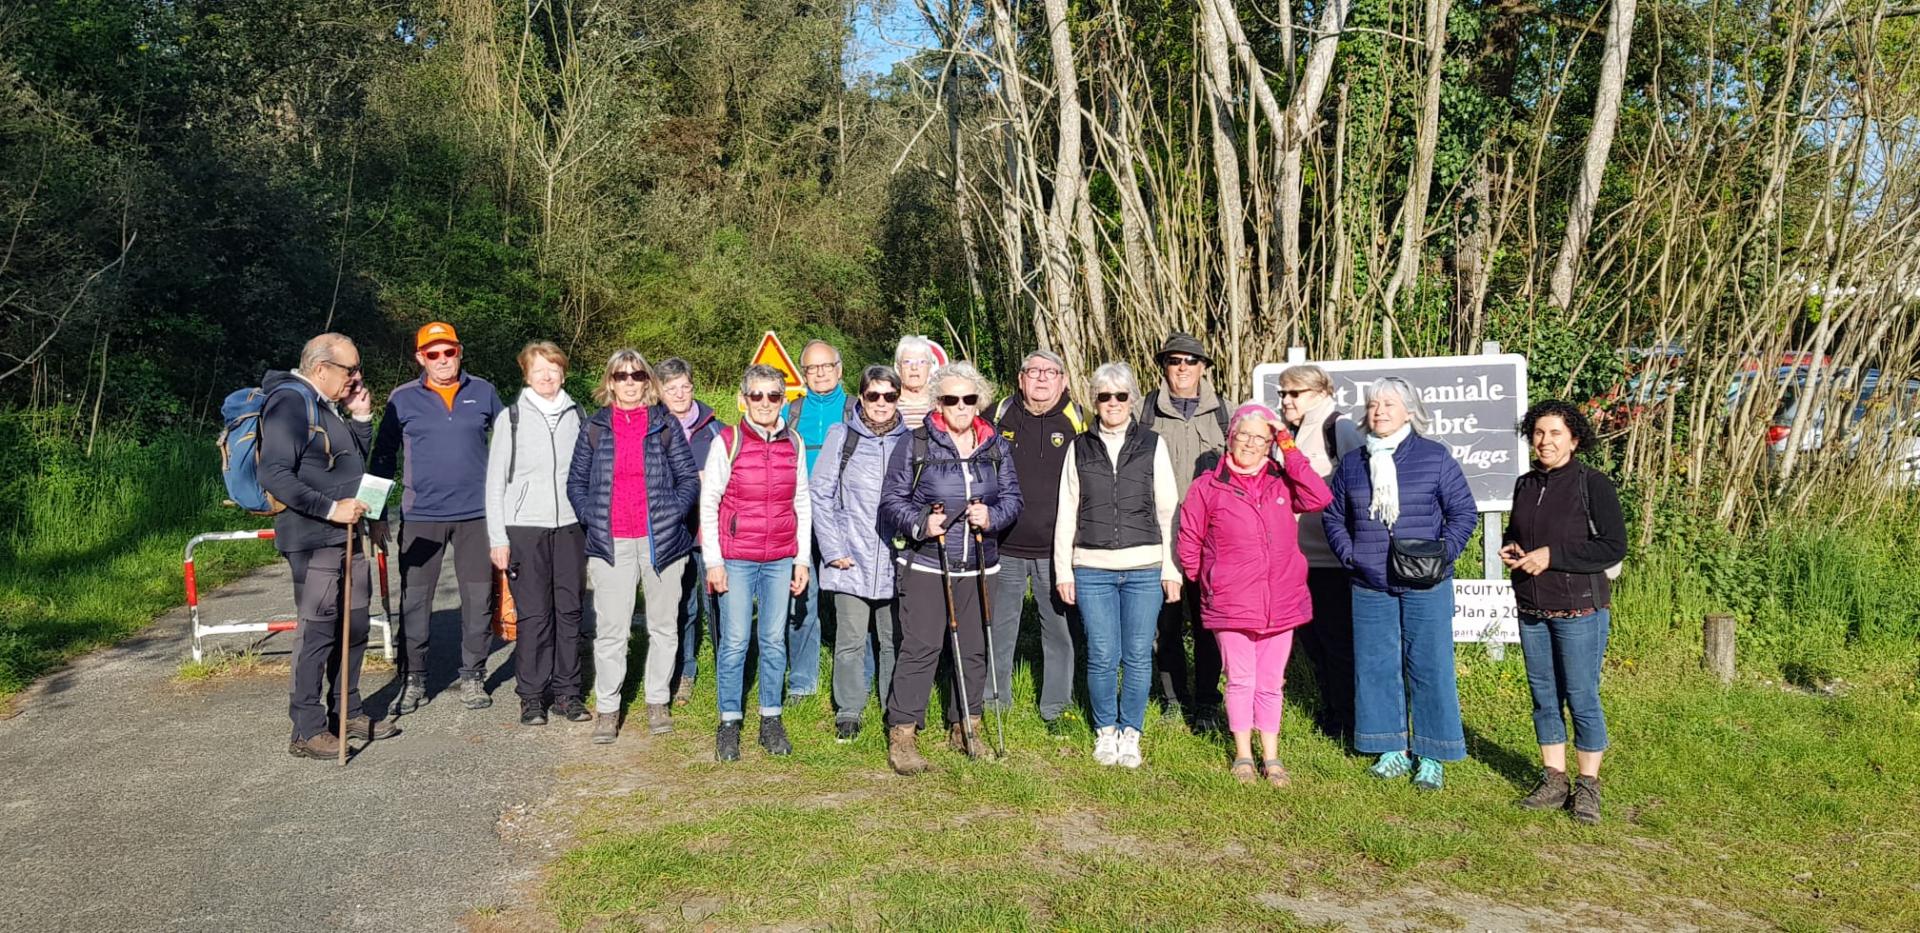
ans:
(1047, 355)
(1404, 390)
(320, 350)
(960, 369)
(912, 347)
(1307, 376)
(818, 343)
(1115, 377)
(879, 372)
(760, 372)
(673, 368)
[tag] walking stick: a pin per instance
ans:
(993, 662)
(953, 634)
(346, 635)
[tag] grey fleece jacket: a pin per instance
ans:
(537, 495)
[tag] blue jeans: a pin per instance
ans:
(698, 603)
(747, 581)
(803, 641)
(1120, 610)
(1563, 666)
(1403, 662)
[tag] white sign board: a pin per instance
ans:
(1484, 611)
(1474, 405)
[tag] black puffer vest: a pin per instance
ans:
(1116, 505)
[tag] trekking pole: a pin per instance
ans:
(993, 662)
(953, 634)
(346, 635)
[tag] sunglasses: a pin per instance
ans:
(777, 395)
(877, 396)
(1105, 397)
(448, 353)
(351, 371)
(1295, 393)
(948, 401)
(1181, 359)
(626, 375)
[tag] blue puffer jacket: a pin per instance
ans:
(987, 475)
(1435, 502)
(673, 486)
(846, 509)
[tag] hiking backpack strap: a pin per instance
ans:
(847, 448)
(1074, 418)
(1000, 411)
(513, 439)
(1150, 409)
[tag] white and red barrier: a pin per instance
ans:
(278, 624)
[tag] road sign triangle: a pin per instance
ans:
(771, 353)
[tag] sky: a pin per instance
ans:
(884, 34)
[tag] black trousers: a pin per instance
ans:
(922, 630)
(548, 569)
(1328, 643)
(1178, 622)
(423, 545)
(317, 593)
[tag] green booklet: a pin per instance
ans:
(373, 491)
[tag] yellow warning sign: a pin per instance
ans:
(771, 353)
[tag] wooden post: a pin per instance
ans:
(1717, 646)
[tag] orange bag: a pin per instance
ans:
(505, 618)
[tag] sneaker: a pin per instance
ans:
(1057, 728)
(1586, 799)
(659, 718)
(1550, 794)
(322, 747)
(606, 728)
(365, 729)
(1106, 745)
(1428, 777)
(1129, 754)
(572, 709)
(846, 730)
(726, 741)
(773, 736)
(473, 693)
(533, 713)
(413, 694)
(1391, 765)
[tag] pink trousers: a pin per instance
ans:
(1256, 666)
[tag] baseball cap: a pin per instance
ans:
(436, 332)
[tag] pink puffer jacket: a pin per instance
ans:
(1240, 540)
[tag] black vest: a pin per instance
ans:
(1116, 506)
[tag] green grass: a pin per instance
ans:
(1750, 804)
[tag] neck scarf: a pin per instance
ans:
(1386, 479)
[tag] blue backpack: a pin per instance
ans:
(240, 445)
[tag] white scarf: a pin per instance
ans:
(1386, 479)
(551, 410)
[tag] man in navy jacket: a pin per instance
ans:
(434, 430)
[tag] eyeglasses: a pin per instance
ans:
(1105, 397)
(1042, 372)
(351, 371)
(1181, 359)
(449, 353)
(776, 395)
(820, 368)
(915, 363)
(628, 374)
(1242, 437)
(948, 401)
(877, 396)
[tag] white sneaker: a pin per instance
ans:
(1106, 746)
(1129, 756)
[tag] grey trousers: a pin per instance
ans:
(1009, 588)
(858, 617)
(614, 588)
(317, 592)
(423, 547)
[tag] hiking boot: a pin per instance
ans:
(903, 750)
(965, 738)
(572, 709)
(606, 728)
(683, 694)
(366, 730)
(413, 694)
(726, 742)
(1057, 728)
(1550, 794)
(1586, 799)
(659, 719)
(1391, 765)
(1106, 745)
(773, 736)
(323, 747)
(473, 693)
(1205, 719)
(1428, 776)
(846, 730)
(1129, 754)
(533, 713)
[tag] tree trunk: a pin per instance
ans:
(1413, 211)
(1301, 108)
(1606, 114)
(1229, 207)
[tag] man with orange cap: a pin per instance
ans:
(434, 431)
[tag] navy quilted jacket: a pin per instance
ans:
(986, 474)
(673, 486)
(1435, 502)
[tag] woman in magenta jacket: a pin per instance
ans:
(1240, 541)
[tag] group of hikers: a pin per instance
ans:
(931, 512)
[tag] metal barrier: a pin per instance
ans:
(282, 624)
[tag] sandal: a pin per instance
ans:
(1243, 770)
(1276, 773)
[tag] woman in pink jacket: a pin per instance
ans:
(1240, 542)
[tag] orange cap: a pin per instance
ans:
(436, 332)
